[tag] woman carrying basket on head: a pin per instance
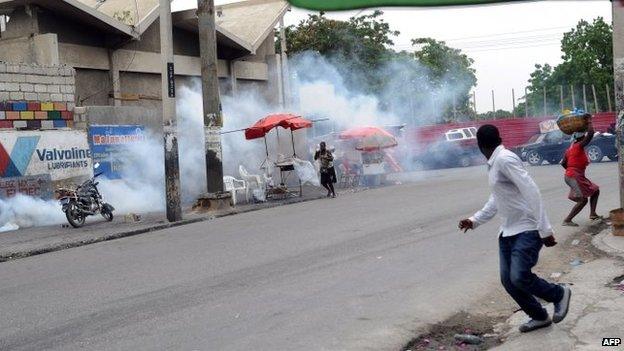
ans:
(575, 162)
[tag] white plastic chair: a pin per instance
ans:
(253, 180)
(233, 185)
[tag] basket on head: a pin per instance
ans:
(571, 122)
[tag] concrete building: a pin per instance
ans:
(114, 46)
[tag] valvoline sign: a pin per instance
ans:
(110, 143)
(61, 154)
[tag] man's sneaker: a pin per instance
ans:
(534, 324)
(561, 307)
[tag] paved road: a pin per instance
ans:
(353, 273)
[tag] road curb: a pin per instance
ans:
(107, 237)
(599, 243)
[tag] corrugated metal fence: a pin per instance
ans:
(513, 131)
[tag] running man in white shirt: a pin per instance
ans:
(525, 228)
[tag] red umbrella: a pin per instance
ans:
(284, 120)
(369, 138)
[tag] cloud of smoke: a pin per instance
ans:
(22, 211)
(319, 91)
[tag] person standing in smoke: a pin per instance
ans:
(525, 228)
(328, 173)
(575, 162)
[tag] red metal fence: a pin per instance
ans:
(514, 131)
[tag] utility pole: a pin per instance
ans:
(561, 98)
(454, 109)
(493, 105)
(513, 102)
(526, 103)
(545, 112)
(584, 99)
(609, 97)
(618, 75)
(284, 61)
(474, 104)
(210, 96)
(172, 164)
(596, 109)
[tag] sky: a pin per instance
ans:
(505, 40)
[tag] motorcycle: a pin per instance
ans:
(84, 201)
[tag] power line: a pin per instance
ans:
(512, 47)
(510, 40)
(507, 33)
(499, 42)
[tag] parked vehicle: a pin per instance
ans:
(455, 148)
(84, 201)
(551, 146)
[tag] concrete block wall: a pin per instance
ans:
(36, 97)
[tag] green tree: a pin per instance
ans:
(425, 80)
(360, 44)
(500, 114)
(587, 59)
(450, 73)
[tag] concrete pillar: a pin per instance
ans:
(618, 75)
(233, 79)
(285, 71)
(115, 77)
(170, 131)
(275, 80)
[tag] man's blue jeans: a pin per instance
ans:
(518, 254)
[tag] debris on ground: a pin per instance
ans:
(556, 275)
(468, 339)
(617, 283)
(462, 331)
(575, 242)
(132, 217)
(576, 262)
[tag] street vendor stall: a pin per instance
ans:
(371, 142)
(286, 166)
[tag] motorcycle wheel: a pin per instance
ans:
(74, 217)
(108, 215)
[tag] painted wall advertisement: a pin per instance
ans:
(60, 154)
(109, 144)
(39, 186)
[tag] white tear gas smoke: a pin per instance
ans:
(319, 90)
(23, 211)
(141, 188)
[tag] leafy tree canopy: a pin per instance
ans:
(587, 60)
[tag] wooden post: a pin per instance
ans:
(493, 105)
(526, 103)
(609, 98)
(513, 102)
(584, 99)
(545, 114)
(561, 97)
(454, 109)
(474, 104)
(596, 109)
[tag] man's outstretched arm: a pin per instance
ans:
(482, 216)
